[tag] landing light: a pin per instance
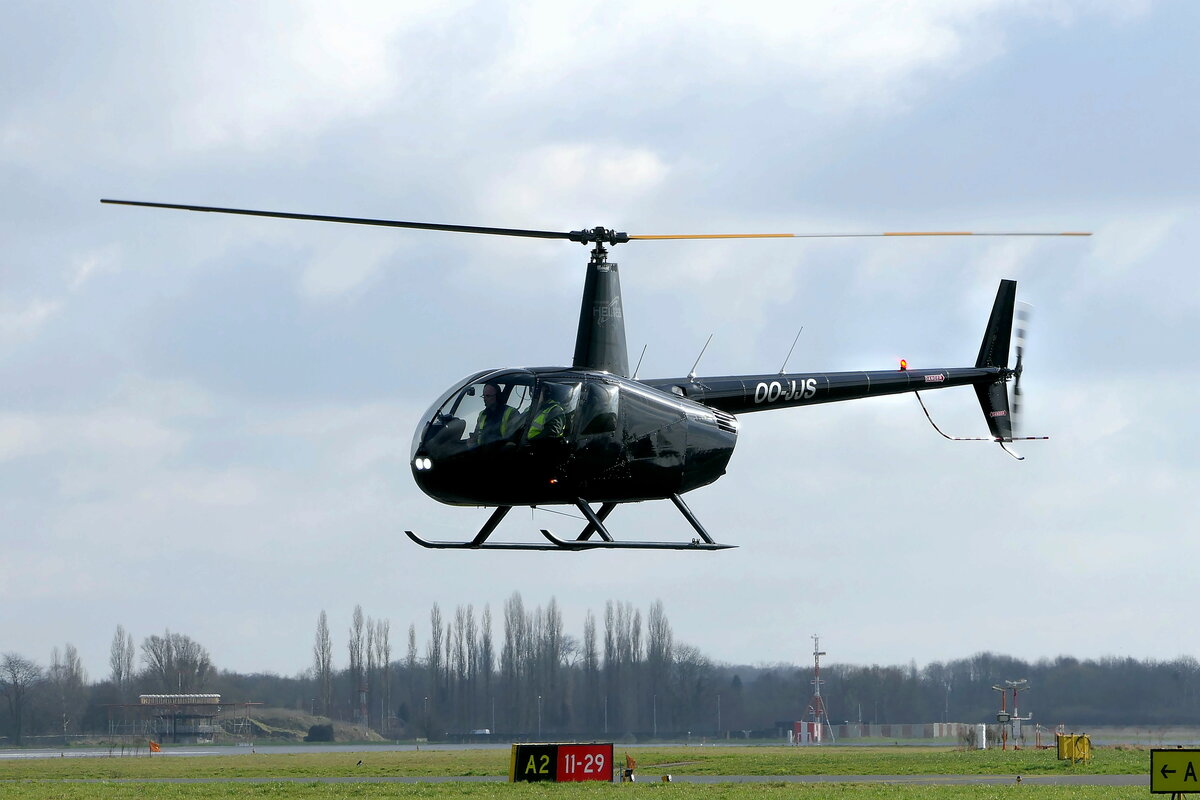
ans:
(421, 464)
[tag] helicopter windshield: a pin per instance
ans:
(489, 409)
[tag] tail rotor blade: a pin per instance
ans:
(1024, 312)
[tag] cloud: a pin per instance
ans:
(578, 180)
(25, 321)
(262, 77)
(93, 262)
(345, 263)
(1129, 240)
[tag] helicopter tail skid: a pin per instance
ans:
(595, 526)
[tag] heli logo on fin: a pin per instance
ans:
(604, 312)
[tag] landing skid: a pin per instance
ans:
(584, 541)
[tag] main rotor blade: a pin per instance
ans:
(586, 236)
(854, 235)
(387, 223)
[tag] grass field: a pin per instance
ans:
(767, 791)
(885, 760)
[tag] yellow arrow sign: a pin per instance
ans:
(1174, 771)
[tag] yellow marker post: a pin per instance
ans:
(1174, 771)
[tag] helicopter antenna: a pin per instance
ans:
(692, 374)
(793, 347)
(639, 364)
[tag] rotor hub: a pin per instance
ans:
(599, 235)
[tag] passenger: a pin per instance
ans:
(550, 421)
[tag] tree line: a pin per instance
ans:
(624, 675)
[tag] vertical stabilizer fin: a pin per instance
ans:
(994, 350)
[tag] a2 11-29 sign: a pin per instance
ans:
(561, 762)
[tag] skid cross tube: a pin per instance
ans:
(596, 525)
(595, 521)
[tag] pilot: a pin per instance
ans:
(550, 421)
(497, 420)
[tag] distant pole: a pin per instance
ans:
(656, 716)
(606, 713)
(539, 717)
(718, 716)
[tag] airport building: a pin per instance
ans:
(179, 718)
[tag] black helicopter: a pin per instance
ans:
(590, 433)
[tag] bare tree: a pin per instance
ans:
(323, 664)
(410, 671)
(68, 681)
(19, 677)
(549, 660)
(487, 657)
(459, 667)
(176, 662)
(591, 671)
(659, 660)
(433, 666)
(369, 688)
(472, 685)
(433, 658)
(120, 659)
(356, 662)
(383, 657)
(513, 661)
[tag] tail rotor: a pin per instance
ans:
(1024, 312)
(1007, 328)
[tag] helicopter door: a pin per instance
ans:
(598, 411)
(598, 454)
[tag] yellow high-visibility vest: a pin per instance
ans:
(539, 422)
(505, 421)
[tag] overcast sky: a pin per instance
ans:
(205, 420)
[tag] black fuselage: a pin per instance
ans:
(621, 440)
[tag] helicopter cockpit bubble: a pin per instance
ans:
(485, 409)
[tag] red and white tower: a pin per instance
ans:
(816, 707)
